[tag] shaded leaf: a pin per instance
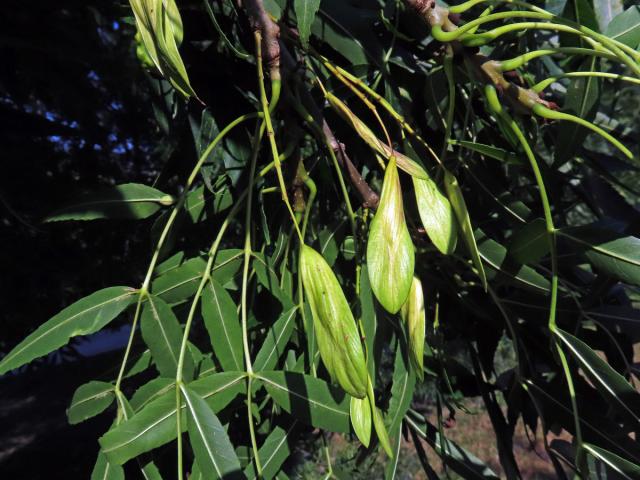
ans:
(129, 201)
(89, 400)
(530, 243)
(305, 13)
(275, 341)
(163, 335)
(460, 460)
(490, 151)
(615, 254)
(618, 464)
(84, 317)
(608, 382)
(310, 400)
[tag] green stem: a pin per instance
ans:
(270, 133)
(540, 86)
(494, 103)
(545, 112)
(216, 25)
(519, 3)
(144, 289)
(448, 70)
(243, 304)
(519, 61)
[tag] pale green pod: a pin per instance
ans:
(390, 252)
(436, 214)
(360, 413)
(413, 315)
(336, 330)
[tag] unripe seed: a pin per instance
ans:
(338, 339)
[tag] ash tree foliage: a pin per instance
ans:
(381, 193)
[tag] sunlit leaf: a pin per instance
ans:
(84, 317)
(211, 445)
(436, 215)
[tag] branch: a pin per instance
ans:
(260, 21)
(486, 70)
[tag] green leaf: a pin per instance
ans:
(305, 13)
(163, 335)
(625, 27)
(103, 470)
(155, 424)
(390, 251)
(530, 243)
(609, 383)
(618, 464)
(179, 284)
(84, 317)
(273, 453)
(222, 323)
(130, 201)
(150, 391)
(615, 254)
(436, 215)
(464, 221)
(490, 151)
(310, 400)
(209, 440)
(89, 400)
(275, 341)
(361, 419)
(581, 12)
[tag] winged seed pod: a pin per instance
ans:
(390, 253)
(413, 315)
(436, 215)
(336, 330)
(360, 414)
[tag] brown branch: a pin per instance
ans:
(260, 21)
